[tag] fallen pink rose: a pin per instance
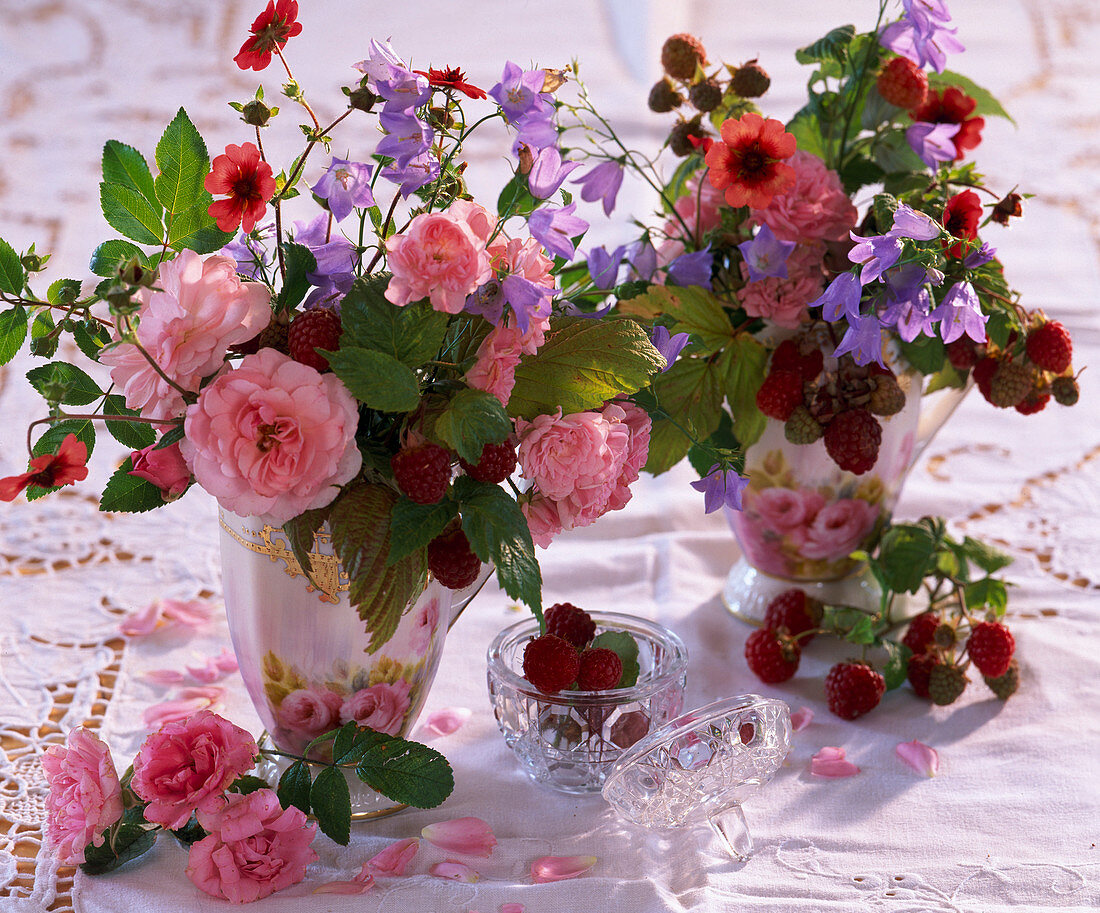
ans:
(831, 764)
(189, 702)
(395, 858)
(558, 868)
(801, 718)
(454, 871)
(444, 722)
(922, 758)
(469, 836)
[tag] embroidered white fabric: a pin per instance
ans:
(1009, 823)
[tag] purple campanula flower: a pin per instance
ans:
(603, 266)
(765, 255)
(548, 173)
(903, 281)
(668, 345)
(344, 186)
(602, 183)
(554, 229)
(406, 137)
(692, 269)
(840, 299)
(961, 312)
(922, 34)
(526, 299)
(536, 128)
(911, 317)
(642, 256)
(876, 254)
(382, 64)
(335, 255)
(932, 142)
(863, 339)
(908, 223)
(980, 257)
(571, 310)
(518, 90)
(251, 254)
(488, 301)
(721, 488)
(419, 170)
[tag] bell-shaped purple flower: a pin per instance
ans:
(876, 254)
(406, 136)
(536, 128)
(863, 340)
(911, 317)
(487, 301)
(602, 183)
(932, 142)
(670, 346)
(909, 223)
(642, 256)
(251, 254)
(840, 299)
(548, 172)
(526, 299)
(554, 229)
(721, 488)
(344, 186)
(415, 173)
(922, 34)
(960, 313)
(765, 255)
(692, 269)
(603, 267)
(980, 257)
(335, 255)
(518, 90)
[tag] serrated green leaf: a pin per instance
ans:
(361, 740)
(63, 291)
(906, 556)
(407, 772)
(625, 647)
(986, 592)
(13, 332)
(135, 435)
(472, 419)
(342, 742)
(129, 213)
(988, 558)
(171, 437)
(807, 132)
(412, 334)
(295, 786)
(691, 393)
(947, 377)
(300, 261)
(897, 664)
(986, 103)
(42, 327)
(833, 46)
(300, 533)
(127, 842)
(377, 380)
(330, 800)
(694, 310)
(125, 166)
(125, 493)
(743, 365)
(413, 526)
(195, 229)
(12, 274)
(79, 388)
(183, 162)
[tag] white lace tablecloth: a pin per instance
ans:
(1013, 818)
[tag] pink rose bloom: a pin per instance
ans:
(784, 510)
(165, 468)
(542, 520)
(439, 257)
(427, 620)
(187, 765)
(815, 208)
(254, 848)
(310, 711)
(839, 529)
(272, 438)
(637, 450)
(85, 797)
(523, 258)
(783, 301)
(380, 707)
(187, 329)
(482, 222)
(495, 368)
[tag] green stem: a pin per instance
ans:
(858, 77)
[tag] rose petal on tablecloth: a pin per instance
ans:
(831, 763)
(469, 836)
(558, 868)
(922, 758)
(455, 871)
(395, 858)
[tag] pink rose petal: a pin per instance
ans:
(163, 676)
(558, 868)
(345, 887)
(189, 612)
(190, 701)
(141, 623)
(455, 871)
(922, 758)
(395, 858)
(512, 908)
(469, 836)
(226, 661)
(801, 718)
(830, 763)
(444, 722)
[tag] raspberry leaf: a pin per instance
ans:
(987, 592)
(376, 379)
(412, 334)
(988, 558)
(413, 526)
(897, 663)
(300, 533)
(300, 262)
(472, 419)
(330, 800)
(743, 365)
(626, 648)
(691, 392)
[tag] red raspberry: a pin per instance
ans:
(920, 672)
(681, 54)
(1050, 347)
(565, 620)
(451, 560)
(918, 636)
(962, 353)
(600, 669)
(852, 440)
(852, 689)
(316, 328)
(550, 664)
(991, 646)
(423, 472)
(901, 82)
(983, 375)
(787, 357)
(779, 394)
(498, 461)
(1032, 403)
(772, 657)
(795, 611)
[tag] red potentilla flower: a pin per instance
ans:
(51, 469)
(703, 142)
(271, 30)
(961, 216)
(952, 106)
(248, 181)
(451, 78)
(748, 161)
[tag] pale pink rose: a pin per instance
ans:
(542, 520)
(424, 628)
(523, 258)
(164, 467)
(785, 510)
(380, 707)
(577, 456)
(85, 797)
(495, 368)
(814, 208)
(439, 257)
(482, 222)
(273, 438)
(186, 766)
(202, 310)
(310, 711)
(839, 529)
(637, 451)
(255, 847)
(783, 301)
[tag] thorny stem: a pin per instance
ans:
(300, 99)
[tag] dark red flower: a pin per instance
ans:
(747, 162)
(451, 78)
(247, 179)
(701, 142)
(961, 216)
(51, 469)
(271, 30)
(952, 106)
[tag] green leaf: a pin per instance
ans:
(377, 380)
(125, 166)
(691, 392)
(743, 363)
(129, 494)
(862, 632)
(472, 419)
(412, 334)
(343, 741)
(906, 556)
(987, 592)
(407, 772)
(78, 388)
(183, 162)
(295, 787)
(897, 663)
(171, 437)
(248, 784)
(807, 132)
(987, 104)
(91, 343)
(135, 435)
(498, 532)
(127, 842)
(925, 353)
(892, 153)
(859, 172)
(129, 213)
(834, 46)
(413, 526)
(516, 197)
(12, 274)
(195, 229)
(625, 647)
(300, 261)
(945, 377)
(42, 327)
(191, 832)
(582, 364)
(988, 558)
(330, 799)
(300, 533)
(63, 291)
(694, 310)
(13, 332)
